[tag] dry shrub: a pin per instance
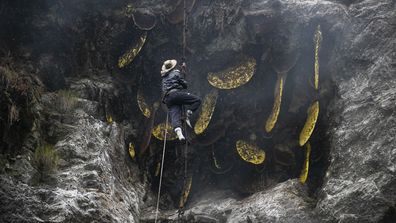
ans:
(15, 81)
(13, 114)
(45, 160)
(67, 100)
(18, 91)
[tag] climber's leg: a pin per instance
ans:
(182, 98)
(185, 98)
(190, 99)
(175, 115)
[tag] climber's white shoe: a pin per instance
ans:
(179, 134)
(188, 122)
(188, 114)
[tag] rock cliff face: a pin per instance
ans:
(360, 182)
(77, 45)
(95, 180)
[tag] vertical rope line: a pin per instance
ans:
(185, 160)
(186, 147)
(184, 55)
(184, 29)
(184, 109)
(162, 166)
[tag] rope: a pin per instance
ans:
(181, 211)
(185, 158)
(162, 166)
(186, 148)
(185, 126)
(184, 30)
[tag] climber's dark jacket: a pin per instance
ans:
(173, 80)
(175, 96)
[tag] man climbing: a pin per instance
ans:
(175, 95)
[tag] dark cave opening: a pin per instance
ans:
(213, 161)
(389, 216)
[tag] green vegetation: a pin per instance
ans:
(45, 161)
(67, 100)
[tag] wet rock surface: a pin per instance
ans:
(352, 177)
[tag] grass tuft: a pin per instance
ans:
(45, 161)
(67, 100)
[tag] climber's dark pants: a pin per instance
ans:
(175, 100)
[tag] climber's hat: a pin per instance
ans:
(167, 66)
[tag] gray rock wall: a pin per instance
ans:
(360, 183)
(96, 181)
(286, 202)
